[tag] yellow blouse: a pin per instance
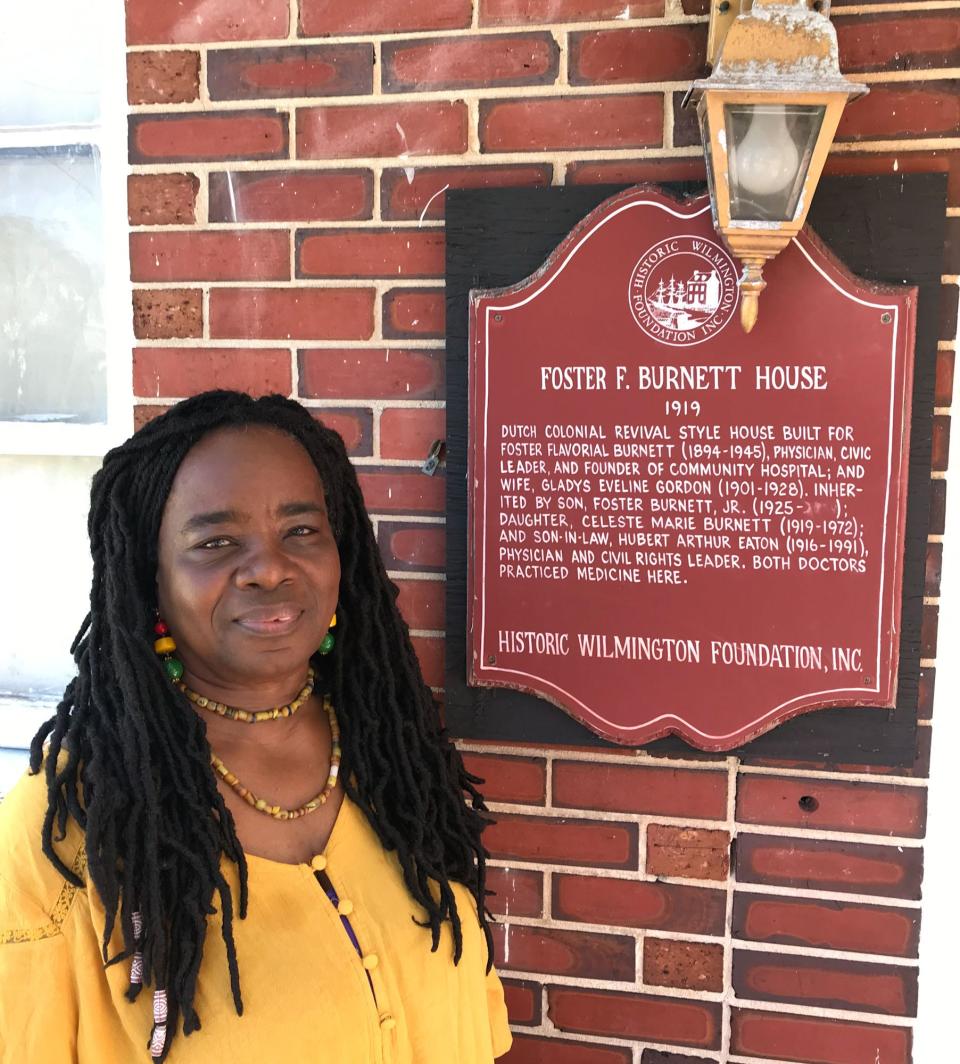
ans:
(308, 996)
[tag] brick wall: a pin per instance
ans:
(287, 166)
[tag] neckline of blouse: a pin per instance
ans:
(335, 832)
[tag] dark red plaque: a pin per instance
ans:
(675, 526)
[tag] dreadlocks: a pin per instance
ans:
(136, 773)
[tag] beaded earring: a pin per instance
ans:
(164, 646)
(326, 644)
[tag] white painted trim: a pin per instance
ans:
(935, 1036)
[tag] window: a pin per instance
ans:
(65, 333)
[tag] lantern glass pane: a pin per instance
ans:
(769, 148)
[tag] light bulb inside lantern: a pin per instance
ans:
(767, 157)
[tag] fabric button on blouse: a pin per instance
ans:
(318, 863)
(370, 961)
(345, 907)
(387, 1023)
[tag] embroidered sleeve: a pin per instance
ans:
(22, 919)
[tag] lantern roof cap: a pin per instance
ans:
(780, 46)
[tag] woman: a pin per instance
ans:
(242, 647)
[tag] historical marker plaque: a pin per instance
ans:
(675, 526)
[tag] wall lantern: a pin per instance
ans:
(768, 114)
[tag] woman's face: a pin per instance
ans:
(248, 574)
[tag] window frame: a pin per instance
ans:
(108, 137)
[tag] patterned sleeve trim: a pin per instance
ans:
(57, 915)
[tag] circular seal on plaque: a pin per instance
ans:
(683, 290)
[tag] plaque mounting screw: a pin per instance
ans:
(491, 660)
(498, 317)
(868, 679)
(886, 317)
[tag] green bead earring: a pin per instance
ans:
(326, 644)
(165, 646)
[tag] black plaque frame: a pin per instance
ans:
(884, 228)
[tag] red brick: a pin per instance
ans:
(523, 1002)
(689, 853)
(921, 761)
(921, 109)
(292, 313)
(943, 394)
(354, 426)
(686, 127)
(429, 653)
(554, 951)
(391, 490)
(199, 21)
(370, 253)
(657, 1056)
(635, 171)
(412, 546)
(827, 924)
(640, 789)
(653, 1018)
(163, 77)
(438, 127)
(520, 12)
(177, 372)
(635, 903)
(162, 199)
(167, 313)
(825, 982)
(638, 54)
(290, 71)
(928, 630)
(572, 122)
(561, 840)
(422, 602)
(409, 432)
(291, 195)
(938, 506)
(951, 249)
(817, 1041)
(414, 314)
(832, 805)
(530, 1049)
(144, 414)
(928, 678)
(517, 891)
(246, 255)
(904, 41)
(420, 193)
(323, 18)
(820, 864)
(685, 965)
(209, 136)
(510, 779)
(484, 62)
(371, 373)
(948, 312)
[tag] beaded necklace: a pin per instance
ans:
(276, 811)
(250, 716)
(255, 716)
